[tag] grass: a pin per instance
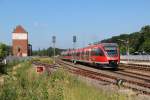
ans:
(5, 69)
(46, 60)
(26, 84)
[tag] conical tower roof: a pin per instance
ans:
(19, 29)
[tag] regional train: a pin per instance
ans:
(102, 54)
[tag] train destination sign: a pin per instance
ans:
(110, 48)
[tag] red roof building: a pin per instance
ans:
(19, 29)
(20, 41)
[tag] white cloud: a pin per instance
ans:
(39, 24)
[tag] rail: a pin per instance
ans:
(134, 82)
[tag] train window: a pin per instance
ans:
(74, 54)
(87, 53)
(111, 50)
(93, 52)
(99, 52)
(78, 53)
(82, 52)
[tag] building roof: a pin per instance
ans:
(19, 29)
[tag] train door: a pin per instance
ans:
(82, 55)
(86, 55)
(89, 55)
(80, 58)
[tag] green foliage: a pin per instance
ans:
(138, 41)
(123, 50)
(3, 51)
(5, 69)
(45, 60)
(47, 52)
(146, 45)
(26, 84)
(9, 92)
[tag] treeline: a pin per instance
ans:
(47, 52)
(5, 50)
(137, 41)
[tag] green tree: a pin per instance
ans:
(3, 50)
(145, 46)
(47, 52)
(138, 41)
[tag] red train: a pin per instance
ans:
(105, 54)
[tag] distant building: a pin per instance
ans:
(29, 49)
(20, 42)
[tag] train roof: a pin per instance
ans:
(109, 44)
(91, 46)
(102, 44)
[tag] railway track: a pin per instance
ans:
(135, 81)
(135, 67)
(134, 75)
(48, 67)
(132, 80)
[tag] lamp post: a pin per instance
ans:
(54, 41)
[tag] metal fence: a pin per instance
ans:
(135, 57)
(10, 59)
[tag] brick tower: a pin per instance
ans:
(20, 41)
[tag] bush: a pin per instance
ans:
(42, 60)
(3, 69)
(26, 84)
(8, 93)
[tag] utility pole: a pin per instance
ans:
(39, 52)
(54, 41)
(128, 53)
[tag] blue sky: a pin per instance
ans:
(90, 20)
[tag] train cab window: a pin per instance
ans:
(111, 50)
(97, 52)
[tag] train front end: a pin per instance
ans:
(112, 54)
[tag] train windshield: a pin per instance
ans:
(97, 52)
(111, 50)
